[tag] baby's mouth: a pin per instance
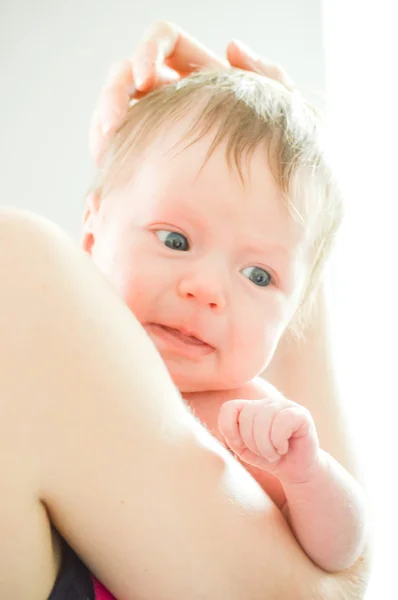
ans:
(188, 339)
(175, 335)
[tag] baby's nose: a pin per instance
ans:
(206, 291)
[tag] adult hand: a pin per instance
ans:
(165, 54)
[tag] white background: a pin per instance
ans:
(54, 57)
(361, 47)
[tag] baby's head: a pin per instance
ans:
(212, 215)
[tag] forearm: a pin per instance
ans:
(328, 515)
(153, 504)
(150, 501)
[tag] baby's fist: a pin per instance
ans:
(273, 434)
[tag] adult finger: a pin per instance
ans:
(242, 57)
(110, 111)
(165, 54)
(164, 44)
(111, 106)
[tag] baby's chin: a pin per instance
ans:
(187, 385)
(192, 383)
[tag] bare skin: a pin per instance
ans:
(166, 53)
(207, 290)
(301, 369)
(42, 484)
(81, 430)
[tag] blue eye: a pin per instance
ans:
(173, 240)
(258, 276)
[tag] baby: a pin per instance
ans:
(212, 215)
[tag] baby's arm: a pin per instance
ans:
(327, 514)
(325, 506)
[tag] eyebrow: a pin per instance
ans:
(180, 211)
(263, 247)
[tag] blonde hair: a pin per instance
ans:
(247, 111)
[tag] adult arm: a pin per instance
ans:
(149, 500)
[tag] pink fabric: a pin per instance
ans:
(100, 592)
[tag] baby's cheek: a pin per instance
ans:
(253, 353)
(141, 294)
(136, 301)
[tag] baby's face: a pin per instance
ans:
(212, 268)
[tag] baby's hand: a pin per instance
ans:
(273, 434)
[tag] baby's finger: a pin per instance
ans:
(242, 57)
(237, 430)
(261, 427)
(230, 427)
(228, 423)
(247, 417)
(291, 422)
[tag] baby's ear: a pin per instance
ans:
(89, 221)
